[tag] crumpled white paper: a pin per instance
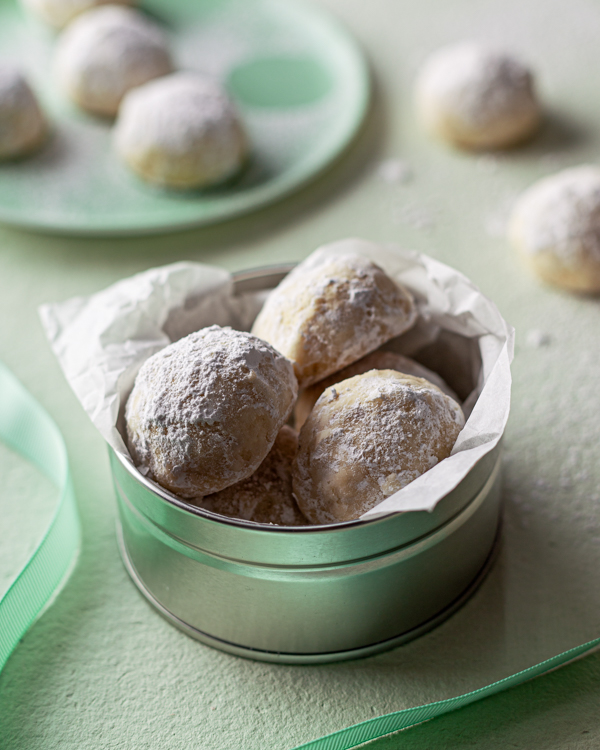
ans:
(101, 342)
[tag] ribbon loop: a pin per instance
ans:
(27, 428)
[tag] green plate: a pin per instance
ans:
(300, 82)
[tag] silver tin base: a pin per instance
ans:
(293, 612)
(281, 658)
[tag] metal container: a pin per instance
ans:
(306, 594)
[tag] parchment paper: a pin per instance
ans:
(101, 341)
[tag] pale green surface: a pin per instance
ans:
(259, 49)
(101, 670)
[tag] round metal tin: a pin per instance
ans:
(306, 594)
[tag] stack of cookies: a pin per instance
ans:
(208, 415)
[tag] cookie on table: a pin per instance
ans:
(555, 227)
(476, 97)
(181, 131)
(23, 127)
(368, 437)
(107, 51)
(266, 496)
(204, 411)
(378, 360)
(58, 13)
(327, 316)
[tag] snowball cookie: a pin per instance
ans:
(107, 51)
(366, 438)
(477, 98)
(327, 316)
(181, 131)
(266, 496)
(379, 360)
(22, 125)
(555, 226)
(59, 13)
(205, 411)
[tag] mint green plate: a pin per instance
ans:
(300, 82)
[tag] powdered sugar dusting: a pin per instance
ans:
(376, 434)
(181, 128)
(326, 316)
(266, 496)
(561, 214)
(477, 96)
(484, 83)
(205, 411)
(395, 172)
(377, 360)
(108, 51)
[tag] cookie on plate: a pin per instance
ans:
(181, 131)
(23, 127)
(58, 13)
(106, 52)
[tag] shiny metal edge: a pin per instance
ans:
(261, 278)
(407, 549)
(324, 658)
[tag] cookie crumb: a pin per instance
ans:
(395, 172)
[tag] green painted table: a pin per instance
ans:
(101, 670)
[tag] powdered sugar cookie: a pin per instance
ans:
(555, 226)
(327, 316)
(368, 437)
(205, 411)
(181, 131)
(379, 360)
(106, 52)
(23, 127)
(477, 97)
(59, 13)
(266, 496)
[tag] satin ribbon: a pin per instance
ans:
(371, 729)
(28, 429)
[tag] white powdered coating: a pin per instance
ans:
(266, 496)
(180, 131)
(368, 437)
(556, 227)
(205, 411)
(562, 213)
(22, 124)
(59, 13)
(477, 97)
(106, 52)
(378, 360)
(327, 316)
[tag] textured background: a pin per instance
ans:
(102, 670)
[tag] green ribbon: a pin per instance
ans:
(28, 429)
(371, 729)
